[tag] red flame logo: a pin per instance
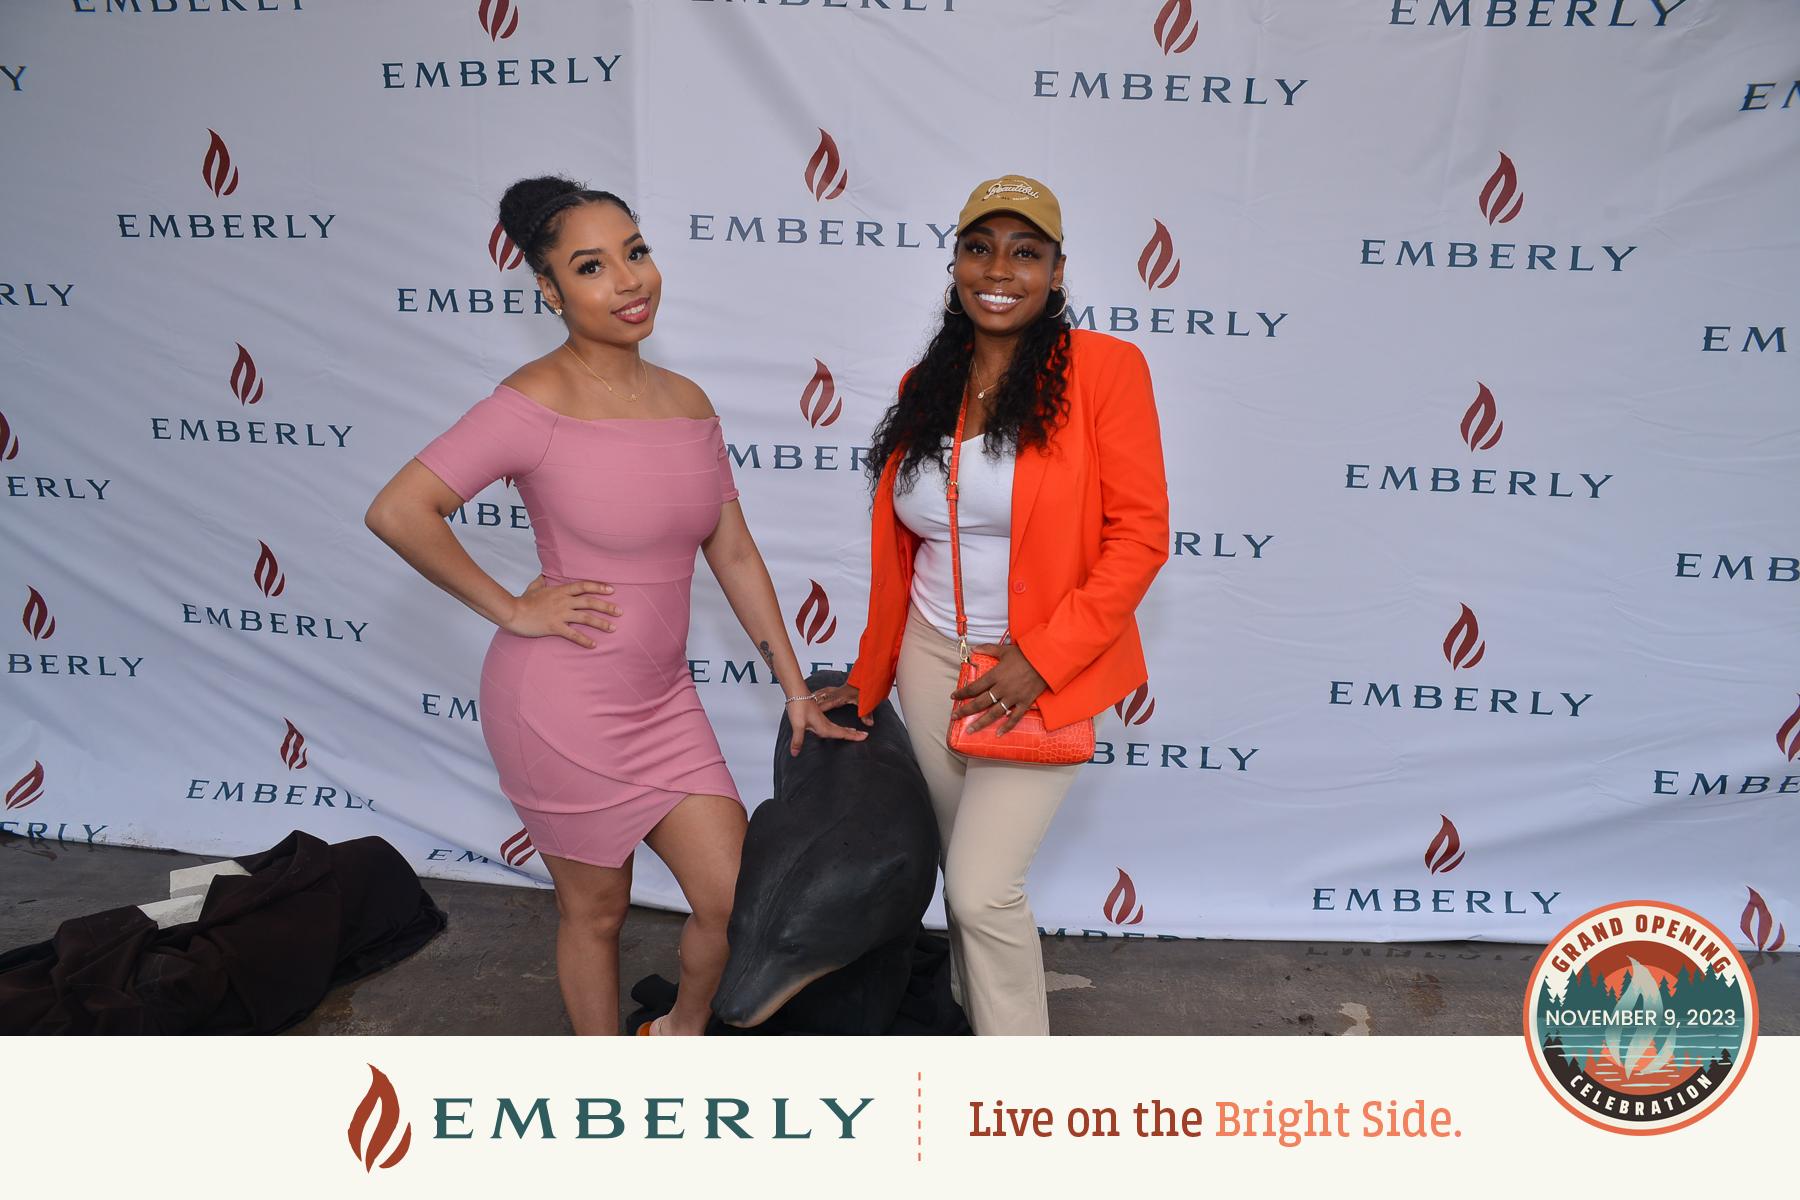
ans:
(517, 849)
(293, 748)
(245, 384)
(9, 441)
(1176, 28)
(1757, 922)
(815, 611)
(1788, 736)
(38, 621)
(1479, 428)
(30, 788)
(1120, 902)
(1137, 708)
(506, 256)
(499, 18)
(1157, 265)
(1445, 852)
(217, 170)
(1463, 647)
(1500, 198)
(381, 1096)
(268, 572)
(825, 173)
(819, 403)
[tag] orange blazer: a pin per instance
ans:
(1090, 529)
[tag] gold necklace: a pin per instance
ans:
(982, 394)
(602, 378)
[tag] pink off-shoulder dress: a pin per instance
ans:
(595, 746)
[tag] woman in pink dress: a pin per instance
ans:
(587, 703)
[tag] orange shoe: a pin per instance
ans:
(649, 1028)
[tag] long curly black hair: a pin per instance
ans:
(1030, 404)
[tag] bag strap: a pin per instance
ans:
(962, 620)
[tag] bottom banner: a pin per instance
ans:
(867, 1117)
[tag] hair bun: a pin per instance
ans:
(525, 200)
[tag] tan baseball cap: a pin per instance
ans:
(1018, 195)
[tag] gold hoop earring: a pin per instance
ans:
(950, 295)
(1062, 294)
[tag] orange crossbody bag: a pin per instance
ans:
(1029, 741)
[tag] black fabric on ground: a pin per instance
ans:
(265, 950)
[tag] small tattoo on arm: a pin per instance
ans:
(763, 649)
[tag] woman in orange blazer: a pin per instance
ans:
(1063, 513)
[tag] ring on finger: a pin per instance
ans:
(993, 697)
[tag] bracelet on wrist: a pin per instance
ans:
(790, 699)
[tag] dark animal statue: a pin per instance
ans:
(838, 868)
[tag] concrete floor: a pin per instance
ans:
(493, 971)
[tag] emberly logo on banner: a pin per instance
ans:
(1158, 267)
(26, 791)
(293, 754)
(1173, 30)
(1532, 14)
(244, 383)
(1669, 782)
(1121, 905)
(35, 295)
(1762, 932)
(484, 299)
(1444, 853)
(823, 175)
(271, 580)
(1748, 568)
(1498, 201)
(293, 748)
(40, 624)
(489, 514)
(1756, 96)
(499, 20)
(1479, 429)
(821, 403)
(1135, 711)
(1464, 649)
(451, 708)
(813, 620)
(219, 173)
(826, 177)
(1720, 339)
(43, 487)
(516, 851)
(187, 7)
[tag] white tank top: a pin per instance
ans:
(984, 517)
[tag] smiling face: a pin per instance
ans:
(601, 275)
(1004, 270)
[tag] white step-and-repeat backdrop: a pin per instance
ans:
(1474, 327)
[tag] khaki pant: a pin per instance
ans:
(992, 816)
